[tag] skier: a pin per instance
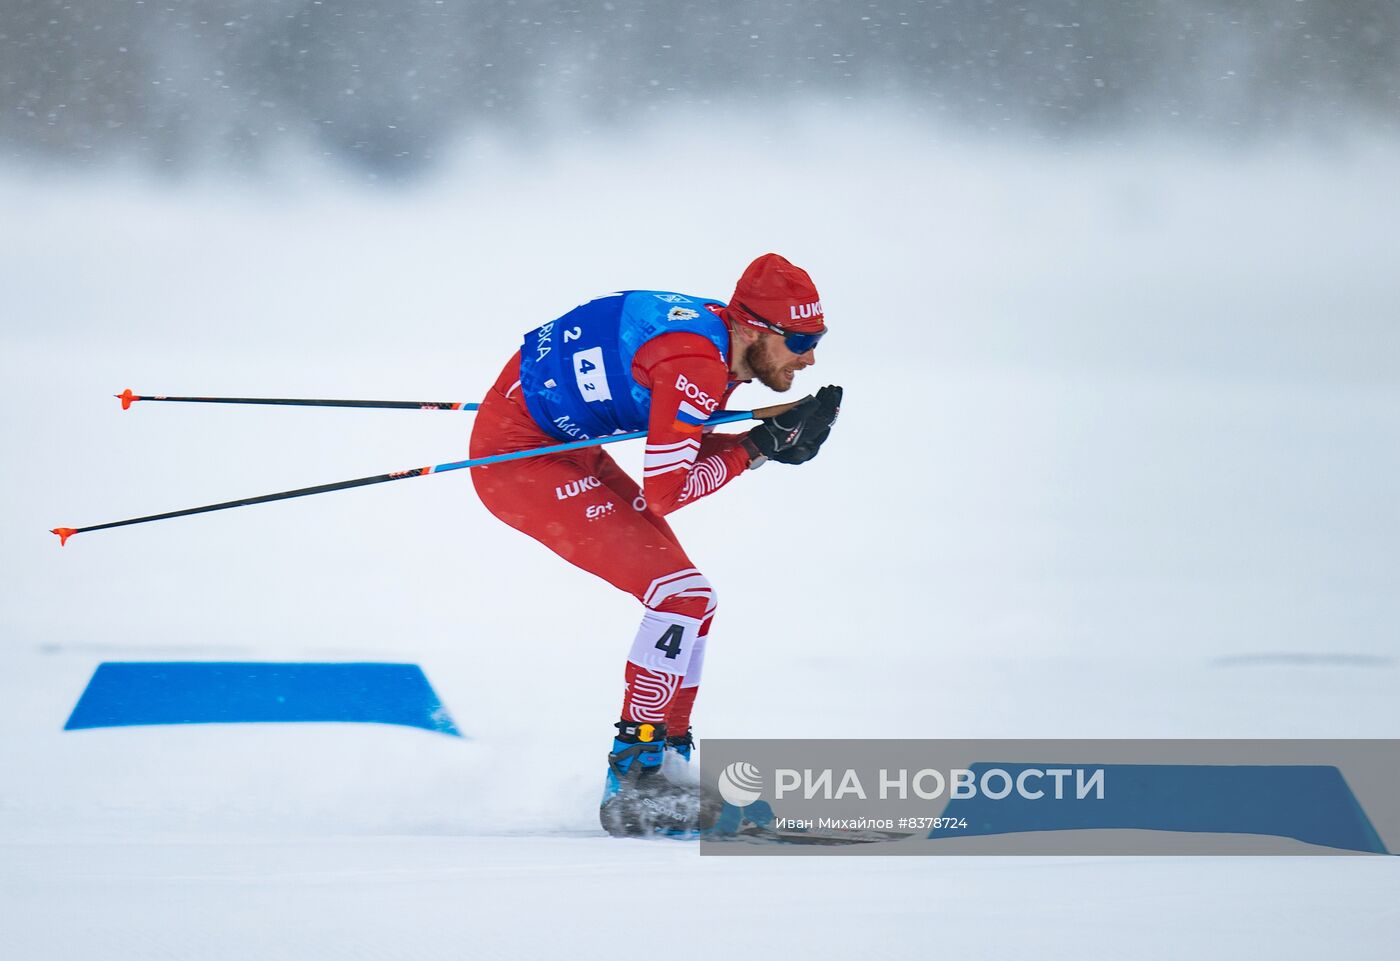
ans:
(662, 362)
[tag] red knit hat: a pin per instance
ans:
(779, 292)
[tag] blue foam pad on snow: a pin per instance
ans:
(125, 693)
(1311, 803)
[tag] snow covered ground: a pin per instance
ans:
(1118, 459)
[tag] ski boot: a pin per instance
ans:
(638, 799)
(681, 744)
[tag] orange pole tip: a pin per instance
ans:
(63, 534)
(127, 398)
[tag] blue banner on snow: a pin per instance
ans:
(1311, 803)
(237, 692)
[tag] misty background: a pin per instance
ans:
(394, 88)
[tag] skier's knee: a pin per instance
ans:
(685, 592)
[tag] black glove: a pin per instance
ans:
(795, 436)
(774, 435)
(817, 428)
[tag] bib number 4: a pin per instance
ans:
(670, 642)
(664, 643)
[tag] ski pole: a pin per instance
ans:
(128, 398)
(726, 417)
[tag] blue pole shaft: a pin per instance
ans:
(725, 417)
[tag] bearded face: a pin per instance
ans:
(773, 364)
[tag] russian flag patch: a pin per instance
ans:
(690, 418)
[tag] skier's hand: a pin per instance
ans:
(817, 427)
(774, 435)
(795, 436)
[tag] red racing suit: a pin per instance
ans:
(586, 509)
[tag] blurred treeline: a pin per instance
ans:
(390, 83)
